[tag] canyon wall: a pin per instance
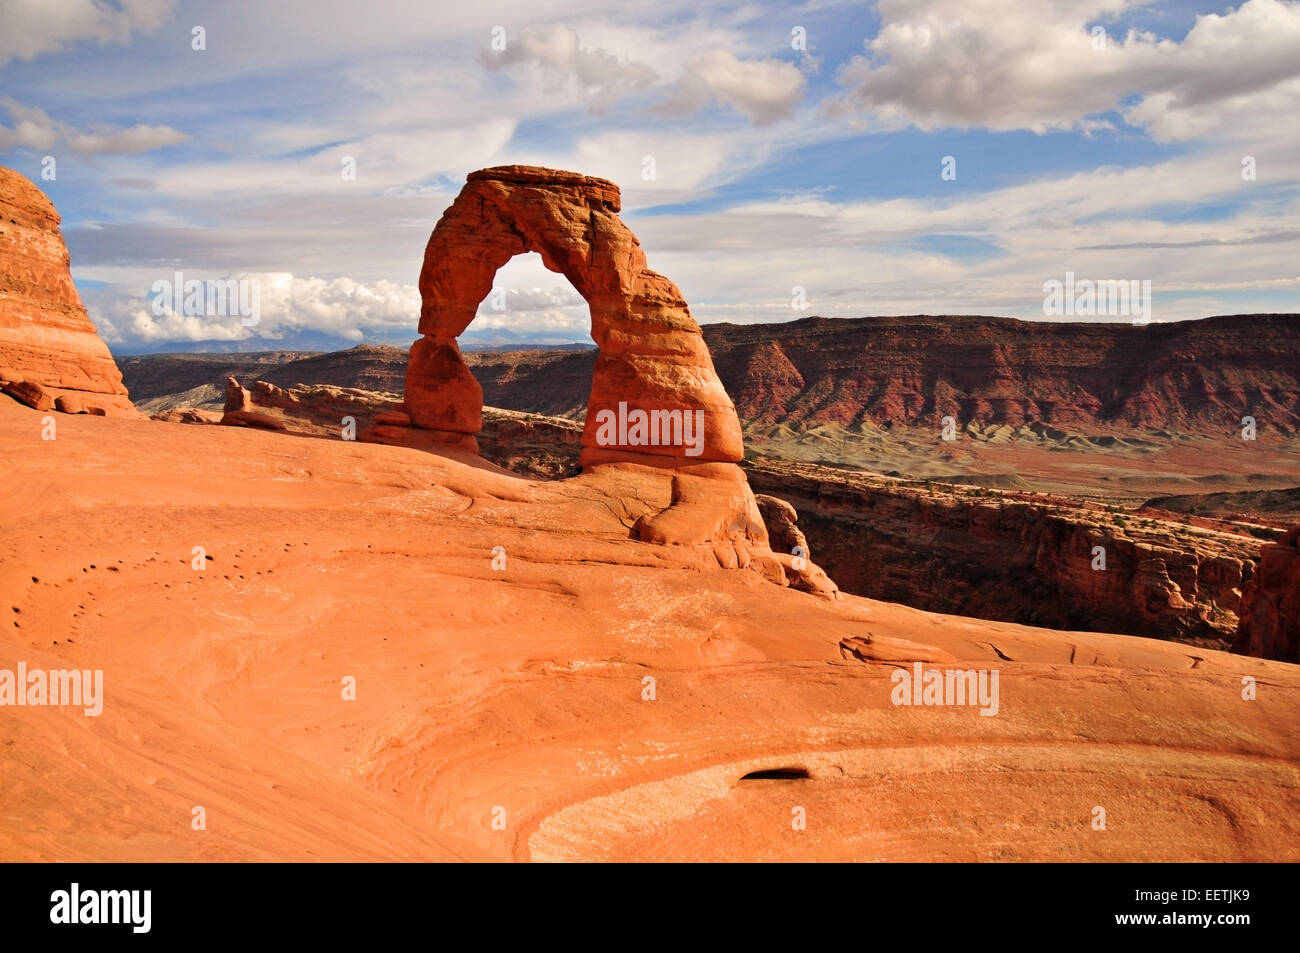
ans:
(1187, 376)
(1270, 614)
(1017, 557)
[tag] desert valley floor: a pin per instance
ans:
(503, 713)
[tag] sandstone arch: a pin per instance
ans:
(652, 356)
(652, 360)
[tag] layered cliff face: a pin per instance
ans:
(1188, 376)
(1191, 377)
(51, 357)
(1018, 557)
(1270, 613)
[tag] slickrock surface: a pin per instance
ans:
(995, 554)
(51, 356)
(707, 509)
(520, 693)
(1270, 615)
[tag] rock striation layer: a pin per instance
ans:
(1183, 376)
(51, 357)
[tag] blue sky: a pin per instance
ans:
(777, 163)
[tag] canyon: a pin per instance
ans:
(1000, 522)
(996, 554)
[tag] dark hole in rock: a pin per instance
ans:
(778, 774)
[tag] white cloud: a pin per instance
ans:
(764, 90)
(287, 304)
(34, 129)
(597, 76)
(1032, 64)
(30, 28)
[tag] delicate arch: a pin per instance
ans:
(652, 357)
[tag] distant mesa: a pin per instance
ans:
(51, 356)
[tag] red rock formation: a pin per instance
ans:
(617, 701)
(781, 520)
(656, 402)
(1270, 605)
(187, 415)
(51, 357)
(652, 356)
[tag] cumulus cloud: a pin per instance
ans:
(286, 304)
(30, 28)
(597, 76)
(34, 129)
(764, 90)
(132, 316)
(1034, 64)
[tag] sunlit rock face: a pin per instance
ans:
(51, 357)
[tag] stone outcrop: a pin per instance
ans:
(187, 415)
(781, 520)
(527, 444)
(51, 357)
(1270, 604)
